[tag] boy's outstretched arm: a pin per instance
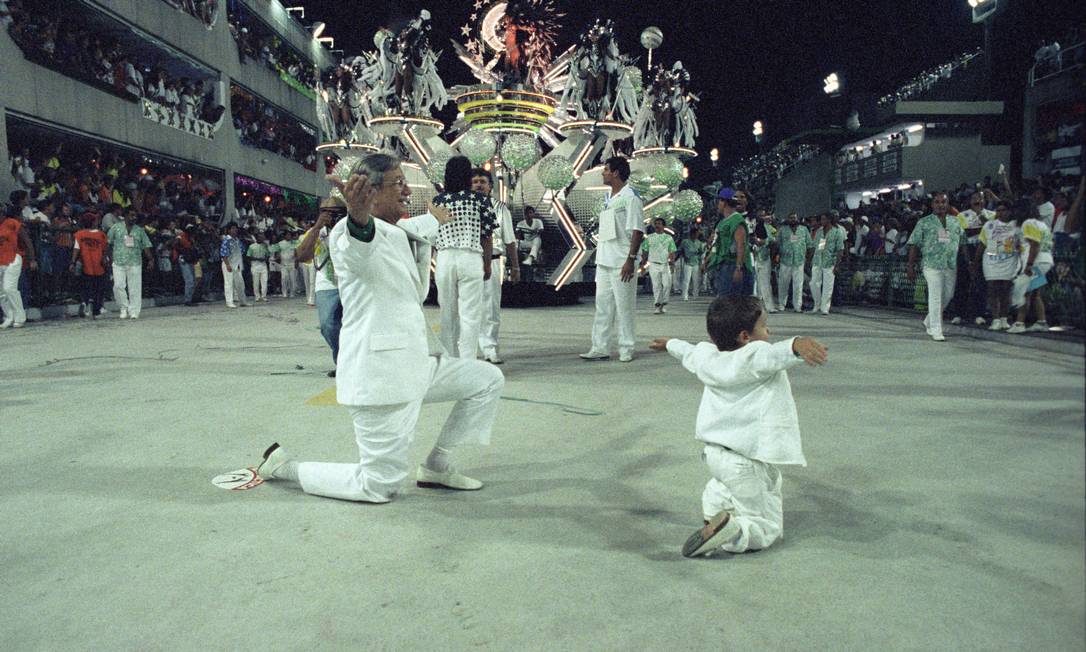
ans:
(811, 350)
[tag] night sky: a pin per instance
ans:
(749, 59)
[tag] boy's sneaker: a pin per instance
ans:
(1018, 327)
(720, 529)
(1038, 327)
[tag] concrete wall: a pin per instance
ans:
(53, 98)
(807, 189)
(944, 162)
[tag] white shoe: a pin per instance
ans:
(133, 316)
(493, 359)
(18, 324)
(124, 314)
(773, 311)
(625, 356)
(997, 325)
(231, 305)
(1018, 327)
(595, 355)
(428, 479)
(938, 337)
(274, 458)
(663, 309)
(7, 323)
(956, 321)
(721, 529)
(659, 311)
(1036, 327)
(979, 321)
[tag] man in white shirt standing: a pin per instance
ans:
(504, 244)
(530, 231)
(390, 363)
(658, 254)
(620, 235)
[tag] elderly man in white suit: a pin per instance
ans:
(389, 361)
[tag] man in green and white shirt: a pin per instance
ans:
(692, 251)
(937, 238)
(258, 254)
(285, 249)
(314, 247)
(129, 244)
(658, 252)
(827, 252)
(793, 241)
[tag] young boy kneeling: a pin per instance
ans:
(747, 420)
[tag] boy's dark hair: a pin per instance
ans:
(729, 316)
(483, 172)
(458, 174)
(619, 166)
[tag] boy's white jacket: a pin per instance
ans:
(747, 405)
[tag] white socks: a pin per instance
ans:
(438, 460)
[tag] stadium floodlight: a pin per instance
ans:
(331, 41)
(758, 128)
(299, 9)
(831, 84)
(714, 155)
(318, 29)
(983, 9)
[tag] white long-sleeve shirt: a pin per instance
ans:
(747, 405)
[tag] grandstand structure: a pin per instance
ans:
(44, 101)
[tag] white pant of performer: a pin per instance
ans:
(660, 275)
(289, 278)
(750, 491)
(533, 246)
(309, 277)
(384, 432)
(10, 300)
(822, 279)
(615, 304)
(940, 292)
(764, 283)
(233, 285)
(460, 295)
(260, 280)
(128, 288)
(677, 275)
(793, 277)
(492, 311)
(691, 276)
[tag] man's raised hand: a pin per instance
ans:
(358, 192)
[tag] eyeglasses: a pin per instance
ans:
(401, 182)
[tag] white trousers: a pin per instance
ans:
(940, 292)
(309, 277)
(764, 284)
(11, 302)
(691, 275)
(750, 491)
(460, 295)
(384, 432)
(233, 285)
(822, 279)
(259, 272)
(492, 312)
(677, 275)
(128, 288)
(660, 275)
(615, 304)
(532, 246)
(790, 277)
(289, 279)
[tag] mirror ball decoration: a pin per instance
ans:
(555, 172)
(479, 146)
(687, 205)
(343, 171)
(668, 171)
(435, 170)
(520, 151)
(641, 181)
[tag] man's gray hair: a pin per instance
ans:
(375, 166)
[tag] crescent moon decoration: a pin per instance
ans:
(491, 30)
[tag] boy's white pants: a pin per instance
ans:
(309, 277)
(940, 292)
(748, 489)
(460, 294)
(790, 276)
(822, 279)
(384, 432)
(260, 280)
(233, 285)
(10, 300)
(764, 284)
(691, 274)
(492, 311)
(615, 303)
(660, 274)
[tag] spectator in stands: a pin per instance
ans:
(1046, 211)
(22, 171)
(92, 258)
(937, 238)
(15, 248)
(128, 245)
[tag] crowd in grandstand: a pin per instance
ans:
(928, 79)
(258, 43)
(261, 124)
(204, 10)
(774, 164)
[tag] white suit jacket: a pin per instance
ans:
(384, 343)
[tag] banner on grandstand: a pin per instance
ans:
(297, 85)
(165, 115)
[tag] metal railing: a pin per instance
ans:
(1068, 59)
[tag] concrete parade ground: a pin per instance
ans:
(942, 508)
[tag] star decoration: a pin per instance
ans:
(473, 45)
(466, 30)
(473, 17)
(478, 4)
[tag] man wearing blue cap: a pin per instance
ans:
(729, 257)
